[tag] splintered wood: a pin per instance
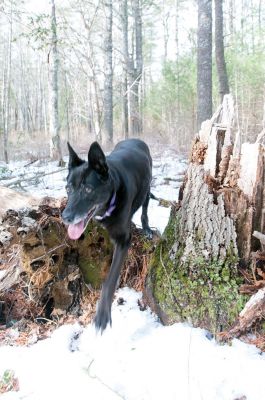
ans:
(236, 180)
(239, 174)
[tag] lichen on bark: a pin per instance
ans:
(193, 275)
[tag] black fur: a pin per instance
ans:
(125, 174)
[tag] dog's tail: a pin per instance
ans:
(153, 197)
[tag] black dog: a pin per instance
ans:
(110, 189)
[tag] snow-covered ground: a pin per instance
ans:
(138, 358)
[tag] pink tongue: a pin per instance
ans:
(76, 230)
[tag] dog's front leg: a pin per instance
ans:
(103, 314)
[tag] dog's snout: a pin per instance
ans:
(67, 219)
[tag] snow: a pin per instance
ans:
(138, 358)
(166, 166)
(2, 273)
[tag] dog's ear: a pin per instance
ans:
(97, 160)
(74, 160)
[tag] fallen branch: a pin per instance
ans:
(17, 182)
(254, 310)
(261, 238)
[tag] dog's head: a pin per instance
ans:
(88, 187)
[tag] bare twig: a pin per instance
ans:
(33, 178)
(49, 252)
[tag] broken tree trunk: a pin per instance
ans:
(45, 275)
(194, 271)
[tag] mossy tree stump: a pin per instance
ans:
(194, 273)
(45, 275)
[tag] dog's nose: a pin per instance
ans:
(67, 219)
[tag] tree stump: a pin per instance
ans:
(45, 275)
(194, 273)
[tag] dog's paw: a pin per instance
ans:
(102, 318)
(148, 233)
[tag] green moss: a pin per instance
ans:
(91, 273)
(95, 253)
(203, 292)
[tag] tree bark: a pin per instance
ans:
(54, 126)
(108, 83)
(194, 273)
(204, 61)
(135, 69)
(177, 9)
(231, 11)
(165, 17)
(219, 50)
(6, 88)
(125, 45)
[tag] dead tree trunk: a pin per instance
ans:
(194, 272)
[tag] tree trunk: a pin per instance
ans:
(6, 89)
(54, 127)
(68, 133)
(219, 50)
(108, 83)
(124, 22)
(231, 11)
(177, 10)
(135, 69)
(138, 61)
(194, 272)
(204, 61)
(165, 17)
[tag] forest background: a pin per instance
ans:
(116, 69)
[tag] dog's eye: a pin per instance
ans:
(68, 189)
(88, 190)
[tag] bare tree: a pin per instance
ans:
(6, 86)
(165, 19)
(54, 126)
(177, 10)
(108, 82)
(204, 61)
(135, 70)
(125, 45)
(219, 50)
